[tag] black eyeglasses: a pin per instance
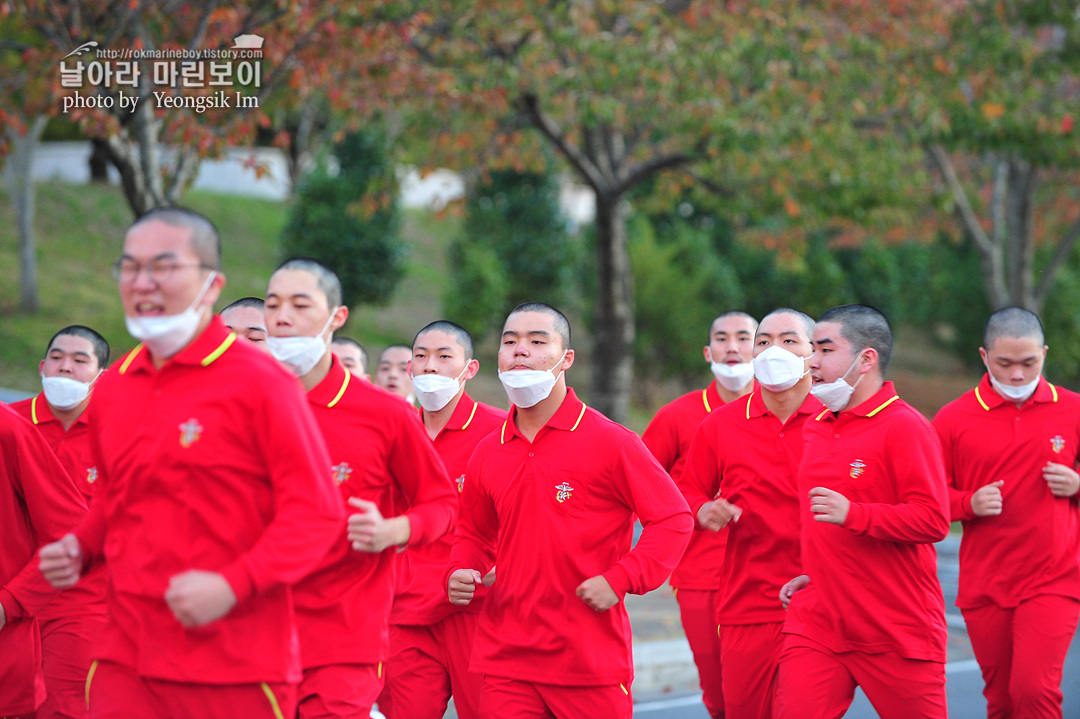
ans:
(126, 270)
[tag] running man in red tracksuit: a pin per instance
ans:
(39, 502)
(696, 580)
(387, 473)
(70, 624)
(749, 452)
(550, 497)
(212, 497)
(431, 639)
(868, 610)
(1010, 454)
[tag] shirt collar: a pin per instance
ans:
(41, 412)
(879, 401)
(871, 407)
(566, 417)
(988, 398)
(463, 413)
(332, 388)
(210, 344)
(711, 398)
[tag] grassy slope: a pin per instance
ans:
(79, 232)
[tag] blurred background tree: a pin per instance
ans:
(513, 247)
(347, 217)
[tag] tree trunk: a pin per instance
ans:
(1007, 251)
(99, 161)
(21, 188)
(613, 359)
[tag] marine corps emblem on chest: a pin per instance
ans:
(91, 474)
(563, 492)
(1057, 443)
(460, 484)
(857, 468)
(190, 432)
(341, 472)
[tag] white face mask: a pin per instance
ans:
(64, 393)
(434, 391)
(527, 387)
(836, 395)
(732, 377)
(166, 335)
(300, 354)
(777, 370)
(1015, 393)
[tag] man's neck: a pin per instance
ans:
(729, 396)
(866, 389)
(530, 420)
(435, 422)
(68, 417)
(204, 322)
(318, 373)
(784, 404)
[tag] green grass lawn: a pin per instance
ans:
(79, 232)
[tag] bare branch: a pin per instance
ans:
(963, 205)
(997, 201)
(200, 28)
(992, 261)
(641, 171)
(529, 105)
(707, 183)
(1061, 254)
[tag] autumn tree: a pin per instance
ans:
(623, 92)
(156, 148)
(987, 92)
(1006, 90)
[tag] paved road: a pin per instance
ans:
(964, 691)
(964, 682)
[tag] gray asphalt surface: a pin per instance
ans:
(964, 681)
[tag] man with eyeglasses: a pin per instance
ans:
(70, 623)
(213, 497)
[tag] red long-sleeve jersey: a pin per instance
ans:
(72, 448)
(552, 513)
(668, 437)
(746, 454)
(213, 462)
(420, 597)
(873, 581)
(38, 503)
(378, 452)
(1031, 547)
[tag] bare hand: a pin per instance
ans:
(197, 598)
(3, 616)
(461, 586)
(369, 531)
(828, 506)
(789, 589)
(61, 562)
(1063, 481)
(597, 594)
(987, 501)
(489, 578)
(716, 514)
